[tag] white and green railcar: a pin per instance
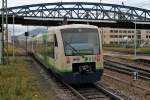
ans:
(74, 52)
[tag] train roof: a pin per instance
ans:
(74, 26)
(68, 26)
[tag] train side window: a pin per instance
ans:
(55, 39)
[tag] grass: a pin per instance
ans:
(128, 50)
(17, 51)
(16, 83)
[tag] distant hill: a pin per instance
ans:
(37, 31)
(32, 33)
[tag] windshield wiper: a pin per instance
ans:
(74, 49)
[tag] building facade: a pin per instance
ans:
(125, 37)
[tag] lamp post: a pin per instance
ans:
(135, 38)
(13, 36)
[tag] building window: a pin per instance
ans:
(139, 36)
(129, 36)
(115, 42)
(147, 32)
(120, 31)
(116, 36)
(111, 31)
(124, 36)
(115, 31)
(124, 31)
(111, 42)
(111, 36)
(129, 31)
(138, 32)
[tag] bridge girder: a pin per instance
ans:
(81, 11)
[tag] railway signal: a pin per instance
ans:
(26, 35)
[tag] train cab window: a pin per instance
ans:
(79, 41)
(55, 39)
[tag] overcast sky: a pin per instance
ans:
(137, 3)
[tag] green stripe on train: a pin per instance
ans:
(50, 64)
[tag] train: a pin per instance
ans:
(73, 52)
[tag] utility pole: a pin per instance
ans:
(13, 36)
(2, 40)
(135, 40)
(4, 31)
(7, 56)
(0, 43)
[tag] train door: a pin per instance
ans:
(57, 53)
(50, 50)
(56, 47)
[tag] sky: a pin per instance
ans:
(136, 3)
(12, 3)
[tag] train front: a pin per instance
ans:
(83, 57)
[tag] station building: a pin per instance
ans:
(125, 37)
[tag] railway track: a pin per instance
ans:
(126, 68)
(95, 92)
(145, 62)
(126, 82)
(82, 92)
